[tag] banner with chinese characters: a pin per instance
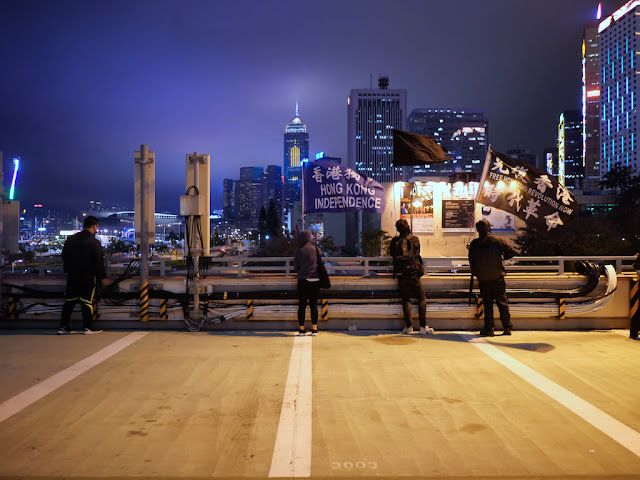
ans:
(333, 188)
(416, 206)
(536, 197)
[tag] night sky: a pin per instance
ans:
(84, 83)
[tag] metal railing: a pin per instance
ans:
(360, 266)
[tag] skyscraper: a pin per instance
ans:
(618, 36)
(229, 199)
(372, 116)
(272, 187)
(591, 103)
(462, 133)
(296, 151)
(570, 169)
(249, 196)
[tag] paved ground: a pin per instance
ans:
(245, 404)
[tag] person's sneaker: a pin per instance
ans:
(64, 331)
(91, 331)
(302, 331)
(632, 335)
(407, 330)
(486, 333)
(314, 332)
(506, 331)
(426, 330)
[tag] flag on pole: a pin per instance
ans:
(413, 149)
(533, 195)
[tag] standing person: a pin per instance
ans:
(405, 250)
(83, 259)
(305, 263)
(486, 254)
(635, 320)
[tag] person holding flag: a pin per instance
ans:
(486, 254)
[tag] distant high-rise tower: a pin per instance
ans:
(570, 169)
(249, 195)
(372, 116)
(272, 187)
(296, 151)
(229, 199)
(591, 102)
(461, 132)
(619, 91)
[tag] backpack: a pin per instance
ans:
(486, 262)
(405, 260)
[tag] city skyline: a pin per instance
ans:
(81, 93)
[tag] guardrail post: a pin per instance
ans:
(561, 308)
(163, 267)
(366, 267)
(249, 309)
(144, 302)
(239, 268)
(634, 296)
(41, 266)
(325, 309)
(163, 309)
(287, 271)
(561, 266)
(479, 308)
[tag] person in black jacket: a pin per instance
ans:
(486, 254)
(405, 249)
(83, 260)
(305, 263)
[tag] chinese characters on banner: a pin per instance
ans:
(417, 201)
(534, 196)
(333, 188)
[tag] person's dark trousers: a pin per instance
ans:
(410, 285)
(80, 288)
(495, 290)
(308, 293)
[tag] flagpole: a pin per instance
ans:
(302, 191)
(483, 177)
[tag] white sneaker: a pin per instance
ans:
(91, 331)
(407, 330)
(426, 330)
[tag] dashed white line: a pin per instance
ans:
(35, 393)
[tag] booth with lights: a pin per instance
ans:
(442, 214)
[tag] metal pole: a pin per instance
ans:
(144, 240)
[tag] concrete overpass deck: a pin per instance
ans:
(362, 404)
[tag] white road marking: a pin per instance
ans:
(618, 431)
(35, 393)
(292, 451)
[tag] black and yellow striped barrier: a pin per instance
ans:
(12, 307)
(325, 309)
(479, 308)
(144, 302)
(561, 308)
(249, 309)
(94, 309)
(634, 296)
(163, 309)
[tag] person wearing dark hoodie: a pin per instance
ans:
(305, 263)
(486, 255)
(83, 262)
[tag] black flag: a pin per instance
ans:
(533, 195)
(413, 149)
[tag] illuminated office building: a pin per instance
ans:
(591, 103)
(462, 133)
(372, 116)
(618, 36)
(296, 151)
(229, 199)
(570, 168)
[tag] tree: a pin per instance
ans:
(262, 225)
(119, 246)
(374, 242)
(273, 224)
(327, 245)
